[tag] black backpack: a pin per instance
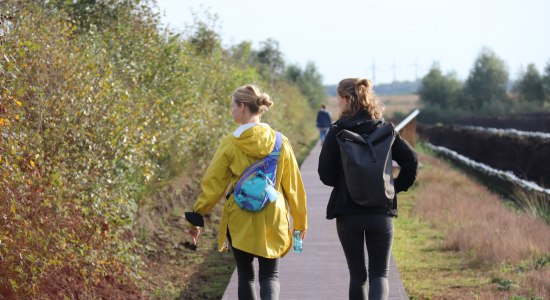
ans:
(367, 163)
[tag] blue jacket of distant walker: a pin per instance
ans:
(323, 119)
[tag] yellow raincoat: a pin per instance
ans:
(266, 233)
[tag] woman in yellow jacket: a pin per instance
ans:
(266, 234)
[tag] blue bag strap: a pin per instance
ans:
(274, 155)
(278, 143)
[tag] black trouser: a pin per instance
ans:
(376, 231)
(268, 275)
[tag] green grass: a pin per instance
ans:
(212, 280)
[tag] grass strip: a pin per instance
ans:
(433, 267)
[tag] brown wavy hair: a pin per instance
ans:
(361, 96)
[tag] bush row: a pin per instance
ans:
(93, 117)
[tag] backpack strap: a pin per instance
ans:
(274, 153)
(278, 143)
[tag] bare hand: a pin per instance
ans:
(302, 234)
(195, 232)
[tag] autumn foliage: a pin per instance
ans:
(98, 108)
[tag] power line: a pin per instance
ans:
(395, 66)
(395, 69)
(416, 66)
(373, 69)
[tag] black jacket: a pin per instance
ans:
(331, 171)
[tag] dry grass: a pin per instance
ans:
(477, 221)
(399, 103)
(332, 107)
(456, 240)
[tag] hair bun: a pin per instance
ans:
(264, 100)
(253, 98)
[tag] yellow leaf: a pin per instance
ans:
(17, 117)
(2, 122)
(12, 208)
(13, 282)
(32, 163)
(18, 103)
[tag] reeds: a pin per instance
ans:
(534, 203)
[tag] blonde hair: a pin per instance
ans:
(253, 98)
(361, 96)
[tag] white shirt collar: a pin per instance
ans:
(237, 133)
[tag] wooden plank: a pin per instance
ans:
(320, 271)
(407, 128)
(408, 132)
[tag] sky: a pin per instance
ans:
(382, 40)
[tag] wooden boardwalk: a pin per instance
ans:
(320, 271)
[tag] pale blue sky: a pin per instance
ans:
(343, 38)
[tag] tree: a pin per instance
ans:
(440, 90)
(98, 13)
(205, 40)
(293, 73)
(546, 83)
(487, 81)
(529, 86)
(270, 58)
(310, 82)
(243, 53)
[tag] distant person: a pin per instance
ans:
(323, 122)
(358, 225)
(265, 234)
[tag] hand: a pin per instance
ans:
(302, 234)
(195, 232)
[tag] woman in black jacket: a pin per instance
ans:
(361, 112)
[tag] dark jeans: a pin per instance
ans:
(376, 231)
(268, 275)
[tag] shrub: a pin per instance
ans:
(93, 117)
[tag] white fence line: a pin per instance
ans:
(407, 120)
(506, 175)
(509, 131)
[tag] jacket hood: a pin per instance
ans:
(257, 141)
(361, 121)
